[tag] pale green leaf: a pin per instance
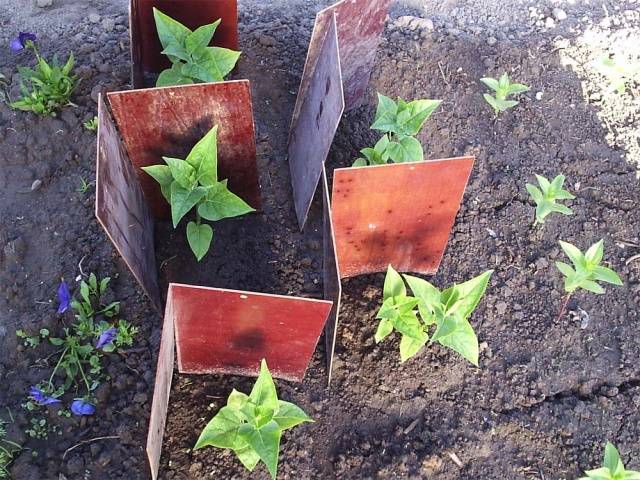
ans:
(359, 162)
(410, 346)
(289, 415)
(393, 284)
(385, 327)
(457, 334)
(221, 203)
(469, 294)
(172, 76)
(183, 200)
(237, 399)
(222, 430)
(594, 253)
(183, 173)
(169, 30)
(264, 390)
(592, 286)
(204, 158)
(565, 269)
(535, 192)
(199, 237)
(604, 274)
(162, 175)
(248, 457)
(201, 36)
(266, 443)
(573, 252)
(492, 83)
(407, 149)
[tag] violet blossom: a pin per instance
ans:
(107, 337)
(64, 297)
(40, 397)
(82, 407)
(20, 42)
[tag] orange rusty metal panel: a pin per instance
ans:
(146, 56)
(169, 121)
(313, 129)
(331, 271)
(161, 392)
(398, 214)
(121, 208)
(359, 27)
(230, 331)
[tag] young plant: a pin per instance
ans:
(32, 341)
(448, 311)
(618, 72)
(546, 197)
(503, 88)
(193, 183)
(252, 425)
(400, 121)
(612, 467)
(8, 451)
(586, 271)
(50, 85)
(193, 61)
(84, 186)
(91, 124)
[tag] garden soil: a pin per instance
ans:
(548, 393)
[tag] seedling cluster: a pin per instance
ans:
(612, 467)
(503, 89)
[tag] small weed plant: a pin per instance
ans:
(252, 425)
(47, 87)
(84, 186)
(91, 124)
(503, 89)
(400, 121)
(193, 183)
(8, 451)
(586, 271)
(414, 316)
(547, 196)
(82, 346)
(619, 73)
(612, 467)
(193, 61)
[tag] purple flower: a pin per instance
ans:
(64, 297)
(82, 407)
(21, 40)
(40, 398)
(107, 337)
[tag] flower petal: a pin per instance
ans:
(64, 297)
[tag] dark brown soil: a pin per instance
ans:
(548, 392)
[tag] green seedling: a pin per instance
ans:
(84, 186)
(503, 88)
(193, 61)
(32, 341)
(252, 425)
(586, 271)
(400, 121)
(618, 72)
(193, 183)
(8, 451)
(612, 467)
(447, 310)
(546, 197)
(91, 124)
(48, 87)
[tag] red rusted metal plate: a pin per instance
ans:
(398, 214)
(331, 271)
(161, 392)
(145, 44)
(169, 121)
(121, 208)
(360, 24)
(230, 331)
(314, 128)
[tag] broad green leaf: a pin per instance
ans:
(535, 192)
(182, 172)
(556, 183)
(222, 430)
(611, 457)
(604, 274)
(199, 237)
(592, 286)
(176, 52)
(386, 106)
(491, 101)
(516, 88)
(385, 327)
(66, 70)
(594, 253)
(201, 36)
(428, 296)
(169, 30)
(457, 334)
(204, 158)
(382, 144)
(411, 119)
(237, 399)
(506, 104)
(359, 162)
(598, 474)
(410, 346)
(248, 457)
(290, 415)
(492, 83)
(565, 269)
(264, 390)
(544, 183)
(393, 284)
(183, 200)
(409, 325)
(221, 203)
(172, 76)
(574, 253)
(162, 175)
(263, 415)
(407, 149)
(215, 64)
(556, 207)
(266, 443)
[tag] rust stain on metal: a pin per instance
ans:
(398, 214)
(121, 208)
(146, 49)
(331, 271)
(230, 332)
(169, 121)
(161, 392)
(313, 130)
(359, 27)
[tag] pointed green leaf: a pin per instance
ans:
(556, 207)
(176, 53)
(172, 76)
(183, 200)
(290, 415)
(264, 390)
(359, 162)
(183, 173)
(204, 158)
(385, 327)
(169, 30)
(162, 175)
(573, 252)
(592, 287)
(594, 253)
(199, 237)
(215, 64)
(248, 457)
(221, 203)
(266, 443)
(222, 430)
(393, 284)
(470, 293)
(237, 399)
(201, 36)
(535, 192)
(604, 274)
(492, 83)
(611, 457)
(407, 149)
(516, 88)
(410, 346)
(457, 334)
(565, 269)
(386, 106)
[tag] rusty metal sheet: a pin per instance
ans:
(331, 272)
(230, 331)
(169, 121)
(398, 214)
(161, 392)
(313, 130)
(121, 208)
(145, 44)
(359, 25)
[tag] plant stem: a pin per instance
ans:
(564, 306)
(86, 382)
(56, 367)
